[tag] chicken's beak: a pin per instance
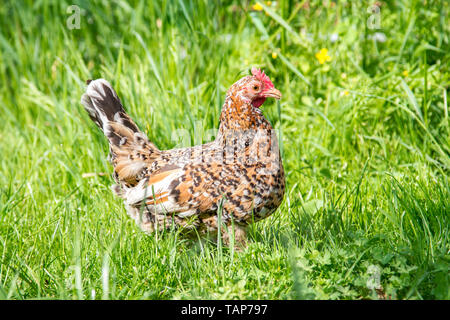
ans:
(274, 93)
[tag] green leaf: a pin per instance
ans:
(312, 206)
(412, 99)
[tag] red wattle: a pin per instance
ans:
(258, 102)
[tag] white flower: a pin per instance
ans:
(379, 37)
(334, 37)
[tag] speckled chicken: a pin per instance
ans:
(239, 174)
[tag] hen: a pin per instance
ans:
(239, 175)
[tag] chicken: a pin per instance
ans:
(237, 179)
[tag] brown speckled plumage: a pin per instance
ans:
(240, 173)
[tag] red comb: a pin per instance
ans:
(258, 74)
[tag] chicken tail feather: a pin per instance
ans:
(130, 148)
(104, 106)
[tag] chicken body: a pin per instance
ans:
(239, 174)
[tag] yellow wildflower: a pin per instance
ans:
(274, 55)
(257, 7)
(323, 56)
(268, 3)
(346, 93)
(405, 73)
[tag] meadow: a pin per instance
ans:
(363, 125)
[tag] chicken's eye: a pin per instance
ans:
(255, 87)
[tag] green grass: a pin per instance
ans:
(365, 141)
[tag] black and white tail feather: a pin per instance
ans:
(130, 149)
(104, 106)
